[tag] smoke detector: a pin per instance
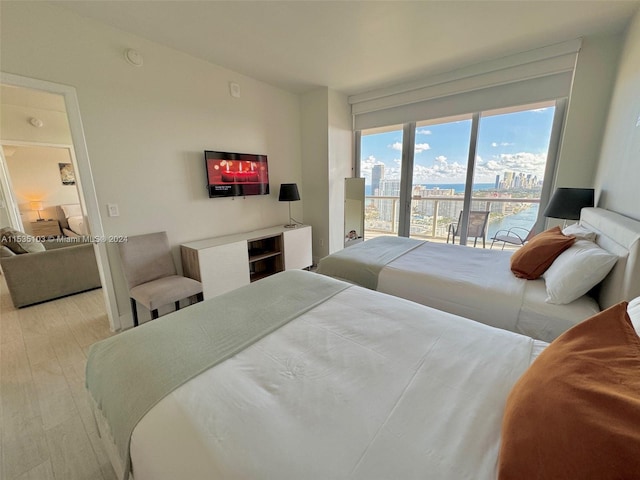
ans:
(133, 57)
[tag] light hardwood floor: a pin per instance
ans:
(47, 429)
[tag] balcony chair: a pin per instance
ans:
(516, 236)
(477, 227)
(151, 274)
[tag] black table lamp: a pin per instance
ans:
(566, 203)
(289, 193)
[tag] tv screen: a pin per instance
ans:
(236, 174)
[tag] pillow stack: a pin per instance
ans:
(569, 260)
(535, 256)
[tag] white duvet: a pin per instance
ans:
(478, 284)
(364, 386)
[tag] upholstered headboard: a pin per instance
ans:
(57, 213)
(62, 218)
(620, 235)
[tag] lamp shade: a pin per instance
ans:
(35, 206)
(289, 192)
(566, 203)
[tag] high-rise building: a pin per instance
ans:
(388, 209)
(390, 187)
(517, 181)
(377, 174)
(508, 179)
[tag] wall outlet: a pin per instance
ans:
(112, 208)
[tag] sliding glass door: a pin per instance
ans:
(381, 167)
(510, 165)
(440, 162)
(493, 161)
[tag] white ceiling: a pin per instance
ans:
(355, 46)
(31, 99)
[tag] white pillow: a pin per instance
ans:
(71, 210)
(633, 309)
(580, 232)
(576, 271)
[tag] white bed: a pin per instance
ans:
(478, 283)
(362, 386)
(359, 385)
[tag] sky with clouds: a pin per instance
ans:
(515, 142)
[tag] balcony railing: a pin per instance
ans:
(381, 214)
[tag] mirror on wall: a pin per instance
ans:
(353, 211)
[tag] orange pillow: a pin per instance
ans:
(575, 413)
(534, 257)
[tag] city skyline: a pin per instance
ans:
(508, 181)
(516, 142)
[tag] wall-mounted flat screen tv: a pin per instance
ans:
(236, 174)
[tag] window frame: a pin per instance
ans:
(408, 153)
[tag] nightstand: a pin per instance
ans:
(46, 228)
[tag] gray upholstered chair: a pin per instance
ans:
(151, 274)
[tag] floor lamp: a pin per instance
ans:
(289, 193)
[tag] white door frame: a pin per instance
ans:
(8, 197)
(84, 178)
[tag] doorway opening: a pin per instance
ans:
(29, 105)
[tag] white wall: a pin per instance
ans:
(587, 110)
(314, 108)
(147, 127)
(327, 160)
(340, 165)
(35, 176)
(618, 175)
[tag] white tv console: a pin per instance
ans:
(225, 263)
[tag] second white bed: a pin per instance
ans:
(480, 285)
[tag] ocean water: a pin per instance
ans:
(457, 187)
(525, 219)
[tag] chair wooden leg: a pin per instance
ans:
(177, 304)
(154, 314)
(200, 296)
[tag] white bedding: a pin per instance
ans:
(76, 224)
(478, 284)
(363, 386)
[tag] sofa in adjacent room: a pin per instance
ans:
(38, 271)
